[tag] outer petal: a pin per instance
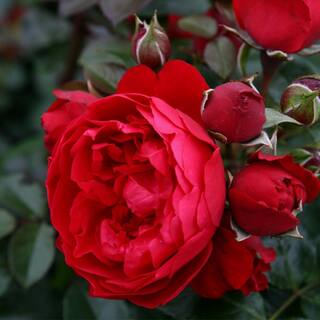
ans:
(177, 283)
(138, 79)
(229, 267)
(69, 106)
(77, 96)
(249, 213)
(181, 85)
(178, 83)
(286, 26)
(311, 182)
(266, 254)
(314, 8)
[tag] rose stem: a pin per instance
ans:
(292, 299)
(270, 65)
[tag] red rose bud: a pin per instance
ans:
(289, 26)
(235, 111)
(301, 100)
(266, 196)
(150, 43)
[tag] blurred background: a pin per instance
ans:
(47, 44)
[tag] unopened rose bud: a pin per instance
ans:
(268, 193)
(234, 110)
(150, 43)
(301, 100)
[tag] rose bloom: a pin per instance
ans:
(266, 195)
(136, 187)
(235, 110)
(289, 26)
(234, 265)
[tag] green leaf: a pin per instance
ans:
(104, 77)
(40, 29)
(7, 223)
(220, 55)
(250, 307)
(301, 155)
(78, 305)
(188, 7)
(71, 7)
(275, 117)
(295, 265)
(110, 309)
(27, 200)
(182, 307)
(310, 221)
(26, 157)
(201, 26)
(310, 304)
(31, 253)
(232, 306)
(104, 63)
(5, 280)
(116, 10)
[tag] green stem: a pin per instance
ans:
(270, 66)
(75, 48)
(292, 299)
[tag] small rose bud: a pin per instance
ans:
(150, 43)
(234, 110)
(301, 100)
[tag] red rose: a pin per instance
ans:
(265, 195)
(280, 25)
(136, 190)
(234, 265)
(234, 110)
(68, 106)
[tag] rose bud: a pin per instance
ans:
(301, 100)
(267, 194)
(150, 43)
(235, 111)
(289, 26)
